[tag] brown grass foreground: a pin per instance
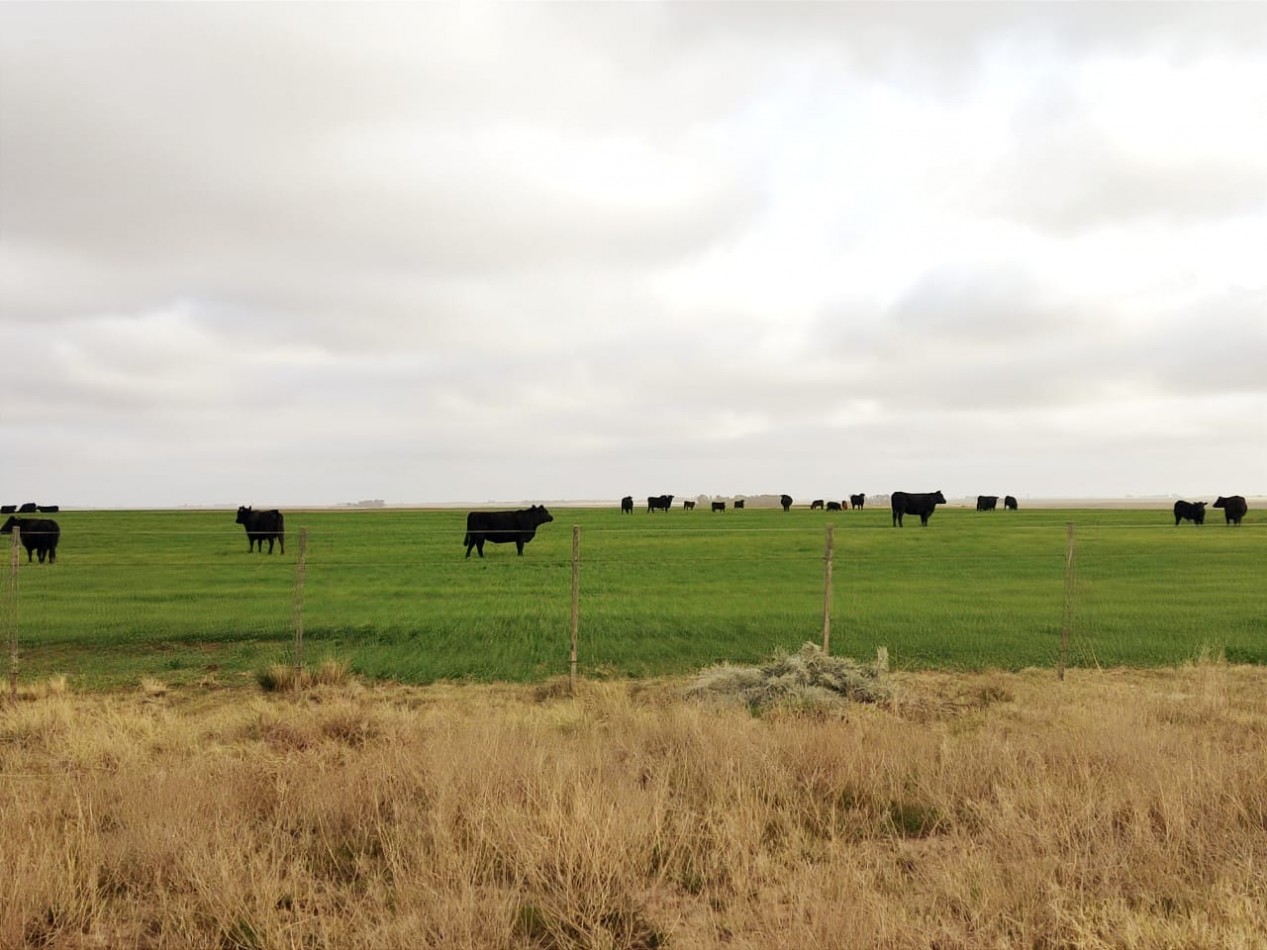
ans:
(1118, 809)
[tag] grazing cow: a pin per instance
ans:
(49, 509)
(38, 535)
(688, 506)
(8, 509)
(906, 503)
(738, 504)
(817, 503)
(1193, 511)
(662, 502)
(1234, 508)
(786, 502)
(1009, 502)
(719, 506)
(857, 501)
(502, 527)
(626, 505)
(28, 508)
(833, 506)
(987, 502)
(263, 526)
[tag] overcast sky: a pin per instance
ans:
(297, 254)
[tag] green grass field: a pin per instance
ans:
(175, 595)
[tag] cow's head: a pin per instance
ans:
(10, 525)
(244, 514)
(939, 498)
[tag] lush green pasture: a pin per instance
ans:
(175, 594)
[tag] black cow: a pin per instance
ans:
(1009, 503)
(906, 503)
(28, 508)
(626, 505)
(262, 526)
(987, 502)
(49, 509)
(38, 535)
(857, 501)
(1193, 511)
(501, 527)
(661, 502)
(833, 506)
(1234, 508)
(786, 502)
(719, 506)
(738, 504)
(8, 509)
(688, 506)
(815, 504)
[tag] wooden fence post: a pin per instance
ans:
(1070, 574)
(576, 603)
(12, 599)
(300, 570)
(827, 559)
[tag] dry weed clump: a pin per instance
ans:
(1116, 809)
(806, 680)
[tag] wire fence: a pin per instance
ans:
(613, 601)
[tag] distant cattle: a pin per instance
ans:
(857, 501)
(987, 502)
(502, 527)
(28, 508)
(786, 502)
(719, 506)
(263, 526)
(1193, 511)
(1234, 508)
(38, 536)
(688, 506)
(1009, 503)
(49, 509)
(738, 504)
(626, 505)
(907, 503)
(8, 509)
(816, 504)
(660, 502)
(833, 506)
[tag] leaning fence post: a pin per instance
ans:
(300, 569)
(576, 603)
(1070, 573)
(12, 598)
(827, 558)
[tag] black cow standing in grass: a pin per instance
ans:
(1193, 511)
(816, 504)
(1009, 503)
(38, 536)
(502, 527)
(626, 505)
(661, 502)
(1234, 508)
(987, 502)
(786, 502)
(688, 506)
(738, 504)
(906, 503)
(28, 508)
(719, 506)
(857, 501)
(8, 509)
(833, 506)
(263, 526)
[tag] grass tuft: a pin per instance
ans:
(807, 680)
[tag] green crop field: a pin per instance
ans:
(175, 595)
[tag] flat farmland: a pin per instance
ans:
(175, 595)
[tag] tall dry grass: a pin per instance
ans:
(1114, 810)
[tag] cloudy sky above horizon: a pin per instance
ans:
(315, 253)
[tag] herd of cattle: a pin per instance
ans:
(1234, 508)
(40, 535)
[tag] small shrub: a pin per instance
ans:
(806, 680)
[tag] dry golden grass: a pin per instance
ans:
(1118, 809)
